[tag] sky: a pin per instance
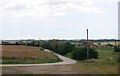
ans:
(58, 19)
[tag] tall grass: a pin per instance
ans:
(28, 60)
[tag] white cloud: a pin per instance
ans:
(46, 8)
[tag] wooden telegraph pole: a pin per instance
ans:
(87, 46)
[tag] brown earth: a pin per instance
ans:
(24, 51)
(61, 69)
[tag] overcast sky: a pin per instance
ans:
(63, 19)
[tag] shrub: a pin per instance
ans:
(116, 49)
(81, 53)
(41, 48)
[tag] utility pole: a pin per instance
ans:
(39, 42)
(87, 46)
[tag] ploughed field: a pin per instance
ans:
(13, 54)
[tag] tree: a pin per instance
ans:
(59, 46)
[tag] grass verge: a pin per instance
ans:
(29, 60)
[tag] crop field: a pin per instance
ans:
(26, 54)
(105, 43)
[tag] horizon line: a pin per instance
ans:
(62, 39)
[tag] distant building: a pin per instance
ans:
(82, 44)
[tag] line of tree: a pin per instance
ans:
(58, 46)
(62, 48)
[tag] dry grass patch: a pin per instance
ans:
(26, 54)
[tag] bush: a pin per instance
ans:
(116, 49)
(81, 53)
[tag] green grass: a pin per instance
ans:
(99, 68)
(105, 52)
(107, 55)
(106, 64)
